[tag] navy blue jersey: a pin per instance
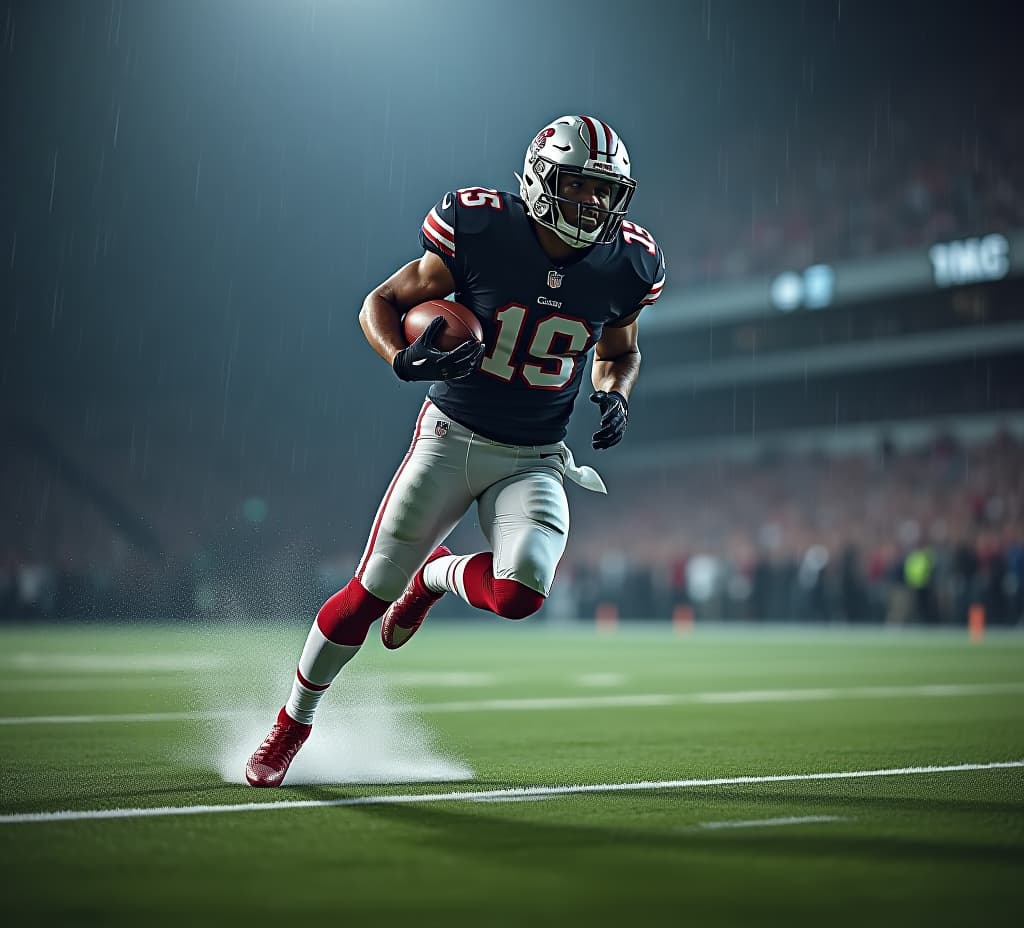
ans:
(540, 318)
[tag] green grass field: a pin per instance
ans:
(403, 808)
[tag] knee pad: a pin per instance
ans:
(513, 600)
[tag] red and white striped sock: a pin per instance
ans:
(471, 578)
(447, 575)
(335, 638)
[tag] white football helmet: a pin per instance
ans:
(579, 145)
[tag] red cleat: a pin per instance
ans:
(406, 614)
(270, 763)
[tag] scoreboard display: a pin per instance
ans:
(822, 287)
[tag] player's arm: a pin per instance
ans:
(617, 358)
(616, 367)
(616, 355)
(381, 316)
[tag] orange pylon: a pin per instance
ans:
(607, 617)
(682, 619)
(976, 622)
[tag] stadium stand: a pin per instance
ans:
(848, 525)
(881, 183)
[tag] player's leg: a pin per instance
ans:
(425, 499)
(526, 519)
(337, 634)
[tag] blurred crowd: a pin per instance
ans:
(876, 183)
(908, 536)
(896, 537)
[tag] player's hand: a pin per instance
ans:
(422, 361)
(614, 416)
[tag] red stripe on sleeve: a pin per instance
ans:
(429, 232)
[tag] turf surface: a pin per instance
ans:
(106, 718)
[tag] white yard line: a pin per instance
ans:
(116, 719)
(599, 679)
(445, 678)
(492, 794)
(647, 700)
(455, 679)
(558, 703)
(106, 663)
(76, 684)
(514, 798)
(771, 822)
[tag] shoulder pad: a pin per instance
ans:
(647, 259)
(438, 230)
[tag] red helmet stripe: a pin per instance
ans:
(592, 130)
(609, 137)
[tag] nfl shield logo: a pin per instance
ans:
(441, 428)
(555, 279)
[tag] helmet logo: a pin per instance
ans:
(542, 139)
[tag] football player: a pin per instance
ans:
(551, 274)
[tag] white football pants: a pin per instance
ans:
(519, 495)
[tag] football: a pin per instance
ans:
(462, 324)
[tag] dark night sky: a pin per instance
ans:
(194, 197)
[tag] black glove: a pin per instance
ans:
(614, 415)
(422, 361)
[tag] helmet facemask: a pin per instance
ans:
(565, 216)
